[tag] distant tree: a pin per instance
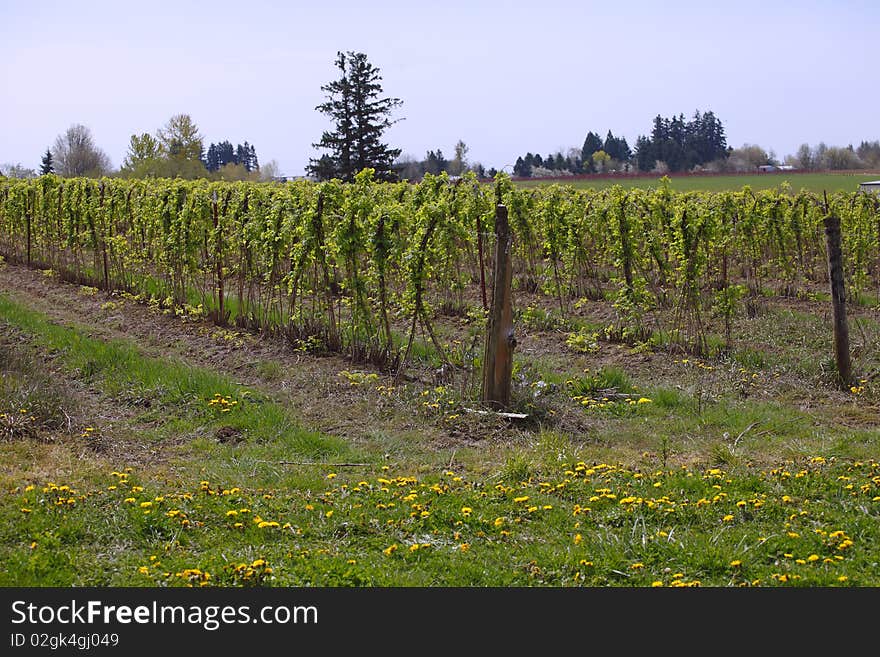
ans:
(680, 144)
(600, 160)
(458, 165)
(269, 171)
(592, 143)
(869, 153)
(360, 117)
(804, 157)
(616, 148)
(747, 157)
(841, 159)
(408, 167)
(17, 171)
(322, 169)
(253, 164)
(75, 154)
(180, 138)
(435, 163)
(144, 156)
(212, 159)
(46, 164)
(521, 169)
(644, 153)
(225, 154)
(233, 171)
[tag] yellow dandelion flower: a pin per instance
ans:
(391, 549)
(656, 584)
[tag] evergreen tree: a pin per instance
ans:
(645, 155)
(241, 155)
(212, 159)
(435, 163)
(617, 148)
(683, 144)
(360, 118)
(591, 144)
(46, 165)
(225, 154)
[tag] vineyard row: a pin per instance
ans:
(355, 268)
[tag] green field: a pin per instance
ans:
(814, 182)
(238, 403)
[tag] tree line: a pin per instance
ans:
(175, 151)
(360, 114)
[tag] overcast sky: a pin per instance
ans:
(504, 77)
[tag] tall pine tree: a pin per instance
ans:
(360, 117)
(46, 164)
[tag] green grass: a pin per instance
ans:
(681, 490)
(814, 182)
(802, 524)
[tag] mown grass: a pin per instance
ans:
(814, 182)
(671, 486)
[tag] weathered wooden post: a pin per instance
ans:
(838, 296)
(500, 342)
(221, 293)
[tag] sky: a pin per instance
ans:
(505, 78)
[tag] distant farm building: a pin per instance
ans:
(872, 186)
(767, 168)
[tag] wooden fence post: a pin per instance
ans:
(500, 342)
(218, 268)
(838, 297)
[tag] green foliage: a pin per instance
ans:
(347, 266)
(583, 341)
(360, 117)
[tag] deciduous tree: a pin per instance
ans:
(76, 154)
